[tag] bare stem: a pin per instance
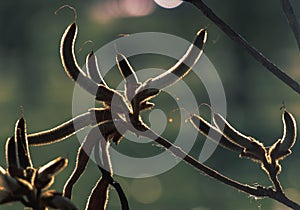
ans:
(258, 191)
(292, 19)
(258, 56)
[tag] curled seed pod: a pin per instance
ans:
(253, 148)
(44, 183)
(107, 175)
(102, 187)
(45, 175)
(22, 144)
(117, 138)
(6, 197)
(60, 132)
(146, 105)
(25, 187)
(213, 134)
(100, 115)
(184, 65)
(290, 131)
(125, 68)
(99, 196)
(8, 183)
(11, 157)
(144, 93)
(131, 80)
(55, 200)
(282, 147)
(111, 128)
(231, 133)
(93, 71)
(52, 168)
(102, 92)
(67, 52)
(107, 129)
(82, 159)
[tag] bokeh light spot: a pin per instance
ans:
(146, 190)
(169, 4)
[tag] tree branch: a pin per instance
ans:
(258, 56)
(292, 19)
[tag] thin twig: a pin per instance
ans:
(258, 191)
(292, 19)
(258, 56)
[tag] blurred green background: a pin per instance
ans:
(32, 76)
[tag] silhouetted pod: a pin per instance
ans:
(82, 159)
(93, 70)
(11, 156)
(100, 115)
(99, 196)
(213, 134)
(231, 133)
(55, 200)
(282, 147)
(146, 94)
(146, 105)
(183, 66)
(253, 148)
(22, 144)
(45, 175)
(131, 80)
(101, 92)
(60, 132)
(289, 131)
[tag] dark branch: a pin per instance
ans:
(258, 56)
(292, 19)
(257, 191)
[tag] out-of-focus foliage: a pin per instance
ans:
(31, 75)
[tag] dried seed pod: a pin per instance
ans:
(290, 131)
(231, 133)
(92, 68)
(213, 134)
(145, 93)
(52, 168)
(22, 144)
(107, 175)
(184, 65)
(102, 92)
(55, 200)
(5, 197)
(146, 105)
(25, 187)
(99, 196)
(100, 115)
(45, 175)
(254, 149)
(107, 130)
(11, 158)
(44, 183)
(117, 138)
(82, 159)
(60, 132)
(282, 147)
(130, 77)
(8, 183)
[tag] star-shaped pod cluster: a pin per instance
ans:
(26, 184)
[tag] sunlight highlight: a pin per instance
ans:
(168, 4)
